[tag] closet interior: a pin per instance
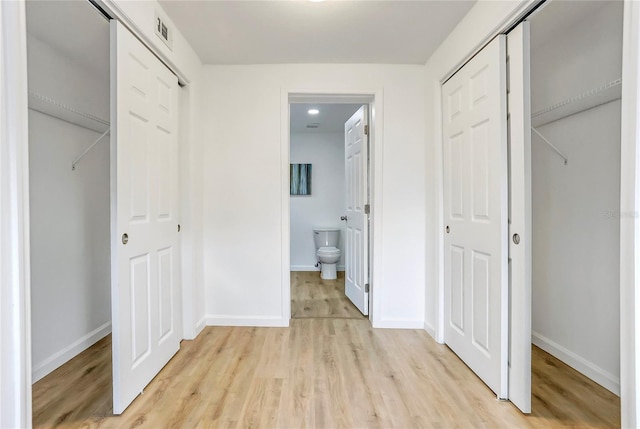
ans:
(68, 77)
(576, 67)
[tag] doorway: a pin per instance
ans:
(327, 215)
(318, 190)
(318, 210)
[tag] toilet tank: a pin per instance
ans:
(326, 237)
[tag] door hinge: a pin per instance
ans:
(366, 288)
(366, 130)
(367, 209)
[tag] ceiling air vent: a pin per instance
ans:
(313, 126)
(163, 31)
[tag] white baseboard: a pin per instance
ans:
(430, 330)
(580, 364)
(398, 324)
(41, 369)
(201, 325)
(310, 268)
(303, 268)
(259, 321)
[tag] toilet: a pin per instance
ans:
(327, 252)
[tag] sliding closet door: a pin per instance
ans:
(144, 177)
(520, 217)
(475, 211)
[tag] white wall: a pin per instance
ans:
(70, 280)
(327, 202)
(482, 21)
(63, 79)
(70, 263)
(576, 223)
(576, 258)
(244, 188)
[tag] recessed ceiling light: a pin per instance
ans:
(313, 111)
(316, 1)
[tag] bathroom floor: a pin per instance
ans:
(312, 297)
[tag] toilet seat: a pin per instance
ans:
(328, 251)
(328, 257)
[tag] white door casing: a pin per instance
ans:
(630, 221)
(475, 212)
(146, 315)
(357, 240)
(15, 326)
(519, 217)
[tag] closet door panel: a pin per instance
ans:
(518, 51)
(475, 212)
(144, 177)
(137, 168)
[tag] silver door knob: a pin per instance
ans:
(125, 238)
(343, 218)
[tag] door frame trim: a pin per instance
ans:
(629, 220)
(15, 302)
(374, 100)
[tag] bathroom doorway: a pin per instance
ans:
(321, 172)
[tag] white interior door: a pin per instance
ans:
(357, 243)
(519, 217)
(475, 212)
(146, 316)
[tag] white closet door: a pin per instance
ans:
(146, 316)
(475, 208)
(520, 217)
(357, 245)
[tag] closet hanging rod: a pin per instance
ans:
(555, 149)
(57, 109)
(86, 151)
(579, 103)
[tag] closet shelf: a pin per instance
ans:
(51, 107)
(587, 100)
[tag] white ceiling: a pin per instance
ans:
(300, 31)
(556, 17)
(331, 118)
(75, 29)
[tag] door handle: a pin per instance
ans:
(125, 238)
(344, 218)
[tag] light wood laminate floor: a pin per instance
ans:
(312, 297)
(322, 373)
